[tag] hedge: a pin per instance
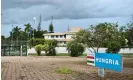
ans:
(37, 41)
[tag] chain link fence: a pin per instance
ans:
(13, 48)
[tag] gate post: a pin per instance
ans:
(27, 50)
(21, 50)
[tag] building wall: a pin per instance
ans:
(69, 36)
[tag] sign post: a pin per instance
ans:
(105, 60)
(101, 72)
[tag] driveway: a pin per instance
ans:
(44, 68)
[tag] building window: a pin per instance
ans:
(56, 36)
(64, 42)
(64, 36)
(61, 36)
(52, 36)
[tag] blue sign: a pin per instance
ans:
(109, 61)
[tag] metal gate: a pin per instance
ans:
(13, 48)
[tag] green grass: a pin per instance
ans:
(58, 54)
(127, 55)
(64, 70)
(35, 54)
(85, 54)
(62, 54)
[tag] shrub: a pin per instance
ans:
(38, 49)
(34, 42)
(49, 47)
(113, 47)
(75, 49)
(45, 48)
(52, 52)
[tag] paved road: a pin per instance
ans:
(44, 68)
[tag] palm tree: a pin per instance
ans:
(16, 32)
(28, 29)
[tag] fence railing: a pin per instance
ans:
(13, 43)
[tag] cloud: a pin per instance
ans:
(20, 11)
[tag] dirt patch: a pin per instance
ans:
(128, 62)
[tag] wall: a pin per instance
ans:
(68, 36)
(63, 50)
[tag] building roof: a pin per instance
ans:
(53, 34)
(73, 31)
(49, 34)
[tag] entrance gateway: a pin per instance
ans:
(13, 48)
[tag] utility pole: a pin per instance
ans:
(12, 36)
(34, 26)
(51, 19)
(12, 31)
(68, 28)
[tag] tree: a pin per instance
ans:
(130, 36)
(75, 49)
(49, 47)
(38, 49)
(101, 35)
(2, 37)
(15, 33)
(39, 24)
(28, 30)
(51, 28)
(27, 27)
(129, 33)
(39, 34)
(23, 35)
(36, 41)
(46, 47)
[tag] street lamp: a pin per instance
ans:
(34, 26)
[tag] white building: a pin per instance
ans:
(63, 37)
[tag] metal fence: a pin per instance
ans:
(13, 48)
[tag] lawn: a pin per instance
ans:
(58, 54)
(128, 55)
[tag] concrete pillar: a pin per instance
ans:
(21, 51)
(27, 51)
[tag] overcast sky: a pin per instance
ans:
(75, 13)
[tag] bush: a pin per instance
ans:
(38, 49)
(75, 49)
(49, 47)
(113, 47)
(42, 44)
(34, 42)
(113, 50)
(52, 52)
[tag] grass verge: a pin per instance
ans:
(58, 54)
(64, 70)
(127, 55)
